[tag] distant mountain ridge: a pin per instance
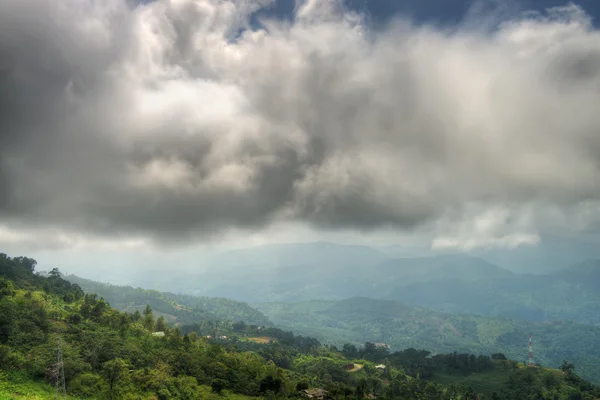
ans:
(455, 283)
(552, 254)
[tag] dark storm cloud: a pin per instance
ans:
(161, 121)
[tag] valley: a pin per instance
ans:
(442, 303)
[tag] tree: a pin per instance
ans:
(302, 385)
(114, 371)
(99, 309)
(238, 326)
(6, 287)
(54, 274)
(148, 318)
(349, 350)
(26, 263)
(148, 311)
(567, 367)
(218, 385)
(160, 324)
(270, 384)
(136, 316)
(388, 369)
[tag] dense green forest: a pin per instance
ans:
(108, 354)
(176, 308)
(401, 326)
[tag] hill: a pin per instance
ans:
(288, 272)
(109, 354)
(552, 254)
(449, 283)
(177, 308)
(454, 283)
(570, 294)
(358, 320)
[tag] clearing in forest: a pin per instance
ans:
(262, 339)
(357, 367)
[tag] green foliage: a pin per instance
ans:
(358, 320)
(172, 307)
(218, 385)
(88, 385)
(115, 355)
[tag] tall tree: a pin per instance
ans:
(148, 318)
(114, 371)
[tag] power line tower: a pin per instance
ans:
(59, 373)
(531, 364)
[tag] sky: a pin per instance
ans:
(143, 132)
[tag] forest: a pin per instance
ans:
(358, 319)
(180, 307)
(109, 354)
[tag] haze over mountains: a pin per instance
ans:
(352, 294)
(446, 282)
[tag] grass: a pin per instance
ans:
(17, 385)
(483, 382)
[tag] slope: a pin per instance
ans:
(359, 320)
(183, 309)
(113, 355)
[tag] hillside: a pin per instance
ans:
(358, 320)
(552, 254)
(108, 354)
(450, 283)
(182, 309)
(570, 294)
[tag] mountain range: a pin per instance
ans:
(454, 283)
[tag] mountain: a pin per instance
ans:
(461, 284)
(288, 272)
(359, 320)
(454, 283)
(106, 354)
(553, 253)
(182, 309)
(297, 272)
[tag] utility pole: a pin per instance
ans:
(61, 387)
(531, 364)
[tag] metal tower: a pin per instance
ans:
(59, 373)
(531, 364)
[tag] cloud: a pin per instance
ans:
(498, 226)
(163, 121)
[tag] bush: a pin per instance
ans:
(164, 394)
(87, 385)
(218, 385)
(302, 385)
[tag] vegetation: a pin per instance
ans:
(358, 320)
(183, 309)
(110, 354)
(447, 283)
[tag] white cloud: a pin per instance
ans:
(161, 123)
